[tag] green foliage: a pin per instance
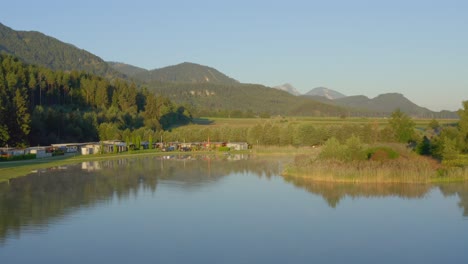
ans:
(354, 149)
(37, 48)
(240, 100)
(138, 142)
(224, 149)
(402, 126)
(424, 147)
(463, 127)
(150, 142)
(351, 150)
(18, 157)
(434, 124)
(40, 107)
(333, 149)
(381, 153)
(449, 151)
(184, 73)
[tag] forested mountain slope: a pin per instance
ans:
(39, 106)
(37, 48)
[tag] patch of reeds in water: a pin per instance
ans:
(413, 169)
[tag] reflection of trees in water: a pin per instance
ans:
(333, 192)
(36, 199)
(460, 189)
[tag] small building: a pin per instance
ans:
(144, 144)
(68, 147)
(90, 148)
(238, 145)
(11, 152)
(109, 146)
(41, 152)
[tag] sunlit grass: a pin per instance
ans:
(248, 122)
(409, 168)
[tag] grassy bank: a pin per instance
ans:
(13, 169)
(408, 167)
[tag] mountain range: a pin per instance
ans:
(184, 72)
(201, 86)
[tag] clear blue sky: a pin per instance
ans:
(418, 48)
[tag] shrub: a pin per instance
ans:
(350, 151)
(332, 149)
(19, 157)
(224, 149)
(381, 153)
(354, 149)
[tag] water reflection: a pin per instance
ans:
(461, 190)
(35, 201)
(47, 195)
(333, 193)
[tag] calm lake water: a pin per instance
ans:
(233, 209)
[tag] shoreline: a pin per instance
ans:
(14, 169)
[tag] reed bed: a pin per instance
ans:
(410, 169)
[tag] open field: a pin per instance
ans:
(248, 122)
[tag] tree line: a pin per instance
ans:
(443, 142)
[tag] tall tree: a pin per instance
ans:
(463, 127)
(402, 126)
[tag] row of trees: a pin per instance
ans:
(41, 106)
(443, 142)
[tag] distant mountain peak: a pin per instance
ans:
(325, 92)
(287, 87)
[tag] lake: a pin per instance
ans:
(228, 209)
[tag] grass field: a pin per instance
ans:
(247, 122)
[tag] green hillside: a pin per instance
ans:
(209, 99)
(185, 73)
(36, 48)
(126, 69)
(387, 103)
(39, 106)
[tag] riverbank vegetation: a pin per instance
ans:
(437, 154)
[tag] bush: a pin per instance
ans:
(19, 157)
(224, 149)
(381, 153)
(332, 149)
(350, 151)
(354, 149)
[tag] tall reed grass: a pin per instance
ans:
(408, 168)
